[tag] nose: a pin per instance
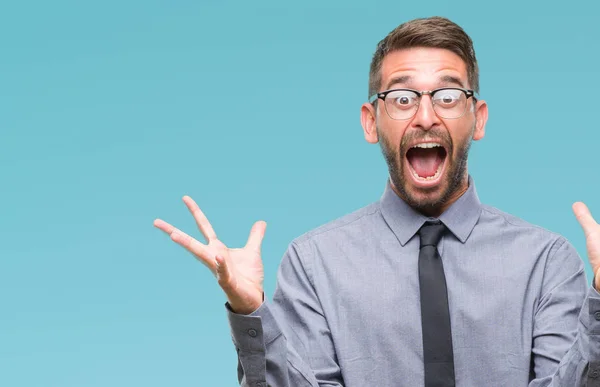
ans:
(425, 117)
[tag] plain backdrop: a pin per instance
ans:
(111, 111)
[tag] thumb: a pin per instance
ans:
(584, 217)
(257, 233)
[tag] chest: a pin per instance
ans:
(373, 301)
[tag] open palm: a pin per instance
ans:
(239, 271)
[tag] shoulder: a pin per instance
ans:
(511, 228)
(493, 214)
(352, 224)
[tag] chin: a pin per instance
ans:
(426, 197)
(430, 198)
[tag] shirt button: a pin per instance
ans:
(597, 316)
(252, 332)
(594, 374)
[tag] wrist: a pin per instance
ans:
(245, 308)
(597, 279)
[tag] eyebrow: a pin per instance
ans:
(444, 80)
(451, 79)
(401, 79)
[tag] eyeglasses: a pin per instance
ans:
(402, 104)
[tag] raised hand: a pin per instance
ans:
(591, 229)
(239, 271)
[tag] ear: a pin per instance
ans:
(481, 116)
(368, 120)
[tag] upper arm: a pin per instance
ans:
(306, 329)
(557, 313)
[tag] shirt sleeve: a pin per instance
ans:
(566, 334)
(287, 342)
(590, 323)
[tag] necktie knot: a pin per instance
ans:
(431, 232)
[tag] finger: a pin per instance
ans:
(190, 244)
(222, 271)
(201, 220)
(583, 215)
(193, 246)
(257, 233)
(164, 226)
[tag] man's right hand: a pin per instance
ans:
(239, 271)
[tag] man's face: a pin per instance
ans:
(426, 154)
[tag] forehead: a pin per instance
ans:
(422, 67)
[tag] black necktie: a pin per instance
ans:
(435, 316)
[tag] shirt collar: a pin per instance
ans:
(460, 217)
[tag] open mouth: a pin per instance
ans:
(426, 162)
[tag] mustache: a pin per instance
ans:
(433, 135)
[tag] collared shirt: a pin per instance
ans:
(346, 309)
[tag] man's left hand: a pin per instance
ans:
(591, 229)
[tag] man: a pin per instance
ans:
(426, 286)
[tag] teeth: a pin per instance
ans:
(428, 145)
(437, 174)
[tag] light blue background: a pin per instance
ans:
(111, 111)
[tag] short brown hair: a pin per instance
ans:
(432, 32)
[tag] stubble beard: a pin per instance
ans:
(456, 171)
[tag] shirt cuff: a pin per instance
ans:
(593, 311)
(590, 319)
(251, 332)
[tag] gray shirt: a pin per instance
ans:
(346, 309)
